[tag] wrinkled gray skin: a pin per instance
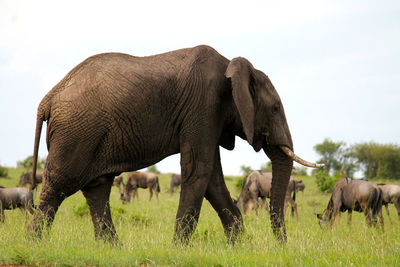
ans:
(390, 194)
(352, 194)
(118, 181)
(140, 180)
(26, 178)
(15, 197)
(115, 113)
(258, 185)
(176, 180)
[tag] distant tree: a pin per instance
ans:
(378, 160)
(245, 170)
(299, 171)
(28, 163)
(267, 167)
(331, 154)
(153, 169)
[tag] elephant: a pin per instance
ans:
(115, 113)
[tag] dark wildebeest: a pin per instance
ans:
(26, 178)
(176, 180)
(390, 194)
(15, 197)
(258, 185)
(354, 194)
(140, 180)
(118, 181)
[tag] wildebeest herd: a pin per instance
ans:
(349, 194)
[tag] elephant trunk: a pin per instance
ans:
(281, 170)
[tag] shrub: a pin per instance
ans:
(325, 182)
(3, 171)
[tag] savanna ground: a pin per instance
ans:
(146, 230)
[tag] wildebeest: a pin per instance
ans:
(390, 194)
(258, 185)
(118, 181)
(140, 180)
(15, 197)
(353, 194)
(176, 180)
(26, 178)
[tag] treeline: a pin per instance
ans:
(372, 159)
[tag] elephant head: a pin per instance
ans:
(263, 124)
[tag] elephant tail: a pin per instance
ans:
(43, 114)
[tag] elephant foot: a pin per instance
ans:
(278, 228)
(184, 228)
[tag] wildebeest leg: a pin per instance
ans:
(24, 212)
(368, 215)
(294, 208)
(388, 213)
(349, 213)
(2, 217)
(397, 206)
(219, 197)
(97, 194)
(156, 192)
(150, 192)
(337, 216)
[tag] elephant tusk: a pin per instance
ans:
(299, 160)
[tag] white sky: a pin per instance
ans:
(335, 64)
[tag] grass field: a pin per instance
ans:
(146, 230)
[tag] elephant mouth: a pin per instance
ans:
(299, 160)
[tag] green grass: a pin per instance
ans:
(146, 230)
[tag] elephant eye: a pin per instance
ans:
(275, 109)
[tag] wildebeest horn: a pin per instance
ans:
(299, 160)
(314, 212)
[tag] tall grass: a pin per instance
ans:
(146, 231)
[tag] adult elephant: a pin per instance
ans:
(115, 113)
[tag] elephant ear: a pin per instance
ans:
(240, 72)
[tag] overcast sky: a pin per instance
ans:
(335, 64)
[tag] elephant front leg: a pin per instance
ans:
(97, 196)
(190, 202)
(219, 197)
(196, 169)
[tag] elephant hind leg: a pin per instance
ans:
(97, 196)
(51, 197)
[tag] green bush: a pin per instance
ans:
(3, 171)
(325, 182)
